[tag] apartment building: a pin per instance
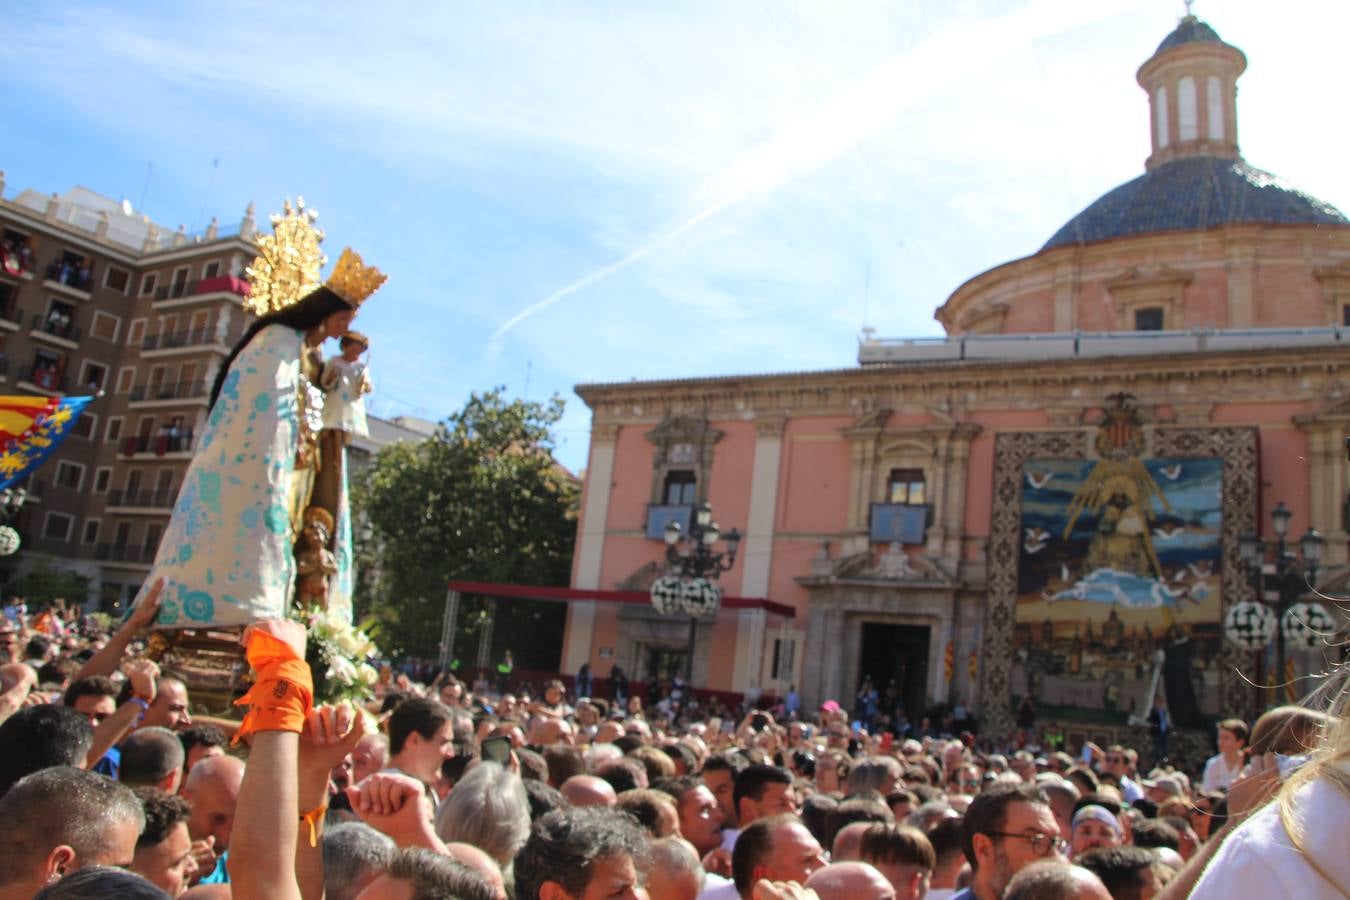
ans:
(97, 299)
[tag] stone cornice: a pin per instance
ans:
(966, 387)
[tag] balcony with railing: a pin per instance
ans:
(125, 553)
(45, 379)
(159, 499)
(11, 316)
(56, 329)
(159, 445)
(193, 338)
(217, 287)
(68, 277)
(168, 392)
(16, 257)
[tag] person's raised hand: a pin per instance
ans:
(393, 804)
(204, 855)
(145, 612)
(143, 675)
(718, 862)
(330, 733)
(765, 889)
(287, 631)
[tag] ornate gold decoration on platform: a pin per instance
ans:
(209, 661)
(353, 280)
(288, 262)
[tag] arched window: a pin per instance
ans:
(1188, 126)
(1160, 113)
(1214, 102)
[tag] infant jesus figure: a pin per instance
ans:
(314, 562)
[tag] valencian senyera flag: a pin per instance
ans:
(30, 429)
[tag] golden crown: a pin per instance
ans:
(354, 281)
(288, 261)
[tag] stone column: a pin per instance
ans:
(757, 550)
(580, 628)
(599, 478)
(749, 649)
(813, 657)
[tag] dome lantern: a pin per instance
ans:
(1191, 81)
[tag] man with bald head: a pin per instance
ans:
(1056, 880)
(850, 881)
(212, 790)
(675, 872)
(481, 863)
(545, 731)
(588, 790)
(848, 840)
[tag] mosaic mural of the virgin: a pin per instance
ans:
(1119, 560)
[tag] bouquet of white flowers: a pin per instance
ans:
(339, 655)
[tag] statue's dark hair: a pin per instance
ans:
(309, 313)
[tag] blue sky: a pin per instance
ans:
(598, 190)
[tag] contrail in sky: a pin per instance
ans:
(850, 116)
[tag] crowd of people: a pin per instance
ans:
(111, 786)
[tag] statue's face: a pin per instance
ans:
(316, 532)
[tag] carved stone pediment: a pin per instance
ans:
(1139, 288)
(680, 431)
(1336, 411)
(987, 318)
(641, 578)
(869, 423)
(1138, 278)
(892, 566)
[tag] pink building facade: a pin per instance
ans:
(1189, 321)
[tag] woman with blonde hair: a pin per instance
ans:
(1295, 846)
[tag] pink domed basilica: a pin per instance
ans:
(1051, 501)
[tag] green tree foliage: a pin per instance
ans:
(483, 500)
(43, 585)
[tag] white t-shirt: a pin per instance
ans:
(715, 887)
(1217, 774)
(1260, 860)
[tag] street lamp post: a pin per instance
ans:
(11, 501)
(695, 564)
(1290, 577)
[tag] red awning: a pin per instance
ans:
(569, 595)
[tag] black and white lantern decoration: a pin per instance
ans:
(1307, 625)
(1249, 625)
(667, 592)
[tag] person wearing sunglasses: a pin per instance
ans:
(1007, 828)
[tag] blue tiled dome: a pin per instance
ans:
(1195, 193)
(1189, 30)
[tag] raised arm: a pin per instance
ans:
(143, 675)
(106, 661)
(262, 851)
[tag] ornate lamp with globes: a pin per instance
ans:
(690, 586)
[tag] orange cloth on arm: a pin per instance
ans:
(283, 692)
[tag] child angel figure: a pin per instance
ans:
(346, 379)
